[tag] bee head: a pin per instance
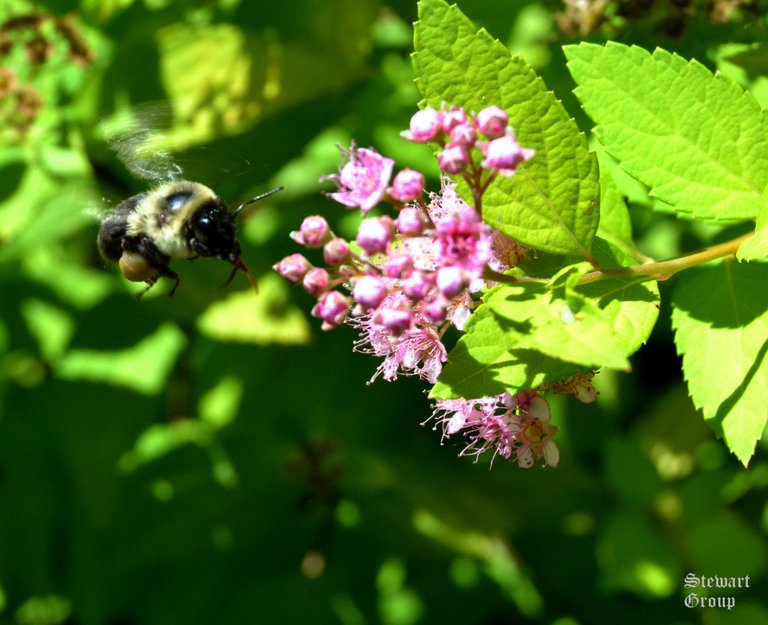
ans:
(215, 233)
(212, 232)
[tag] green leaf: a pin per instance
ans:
(755, 247)
(552, 201)
(630, 303)
(561, 324)
(487, 361)
(615, 224)
(698, 140)
(534, 333)
(721, 321)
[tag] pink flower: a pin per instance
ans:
(515, 427)
(465, 242)
(396, 332)
(363, 180)
(447, 204)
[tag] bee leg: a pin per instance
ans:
(170, 273)
(150, 284)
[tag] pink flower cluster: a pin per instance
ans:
(458, 133)
(516, 427)
(513, 426)
(407, 277)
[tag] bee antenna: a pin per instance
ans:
(256, 199)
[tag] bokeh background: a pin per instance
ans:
(215, 457)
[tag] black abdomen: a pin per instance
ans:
(113, 228)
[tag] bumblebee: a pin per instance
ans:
(175, 220)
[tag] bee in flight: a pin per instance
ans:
(178, 219)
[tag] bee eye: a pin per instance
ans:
(205, 223)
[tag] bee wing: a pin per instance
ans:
(136, 137)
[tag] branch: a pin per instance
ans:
(667, 268)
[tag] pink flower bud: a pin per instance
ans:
(464, 134)
(314, 232)
(437, 310)
(332, 308)
(450, 281)
(492, 121)
(455, 117)
(293, 267)
(336, 252)
(410, 221)
(424, 126)
(505, 154)
(369, 291)
(454, 158)
(397, 265)
(374, 234)
(416, 285)
(396, 320)
(407, 185)
(316, 281)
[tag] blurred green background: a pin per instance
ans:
(215, 458)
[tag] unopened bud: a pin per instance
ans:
(454, 158)
(396, 320)
(407, 185)
(450, 281)
(369, 291)
(424, 126)
(314, 232)
(492, 121)
(332, 308)
(336, 252)
(293, 267)
(505, 154)
(316, 281)
(397, 265)
(455, 117)
(464, 134)
(416, 285)
(437, 310)
(410, 221)
(374, 234)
